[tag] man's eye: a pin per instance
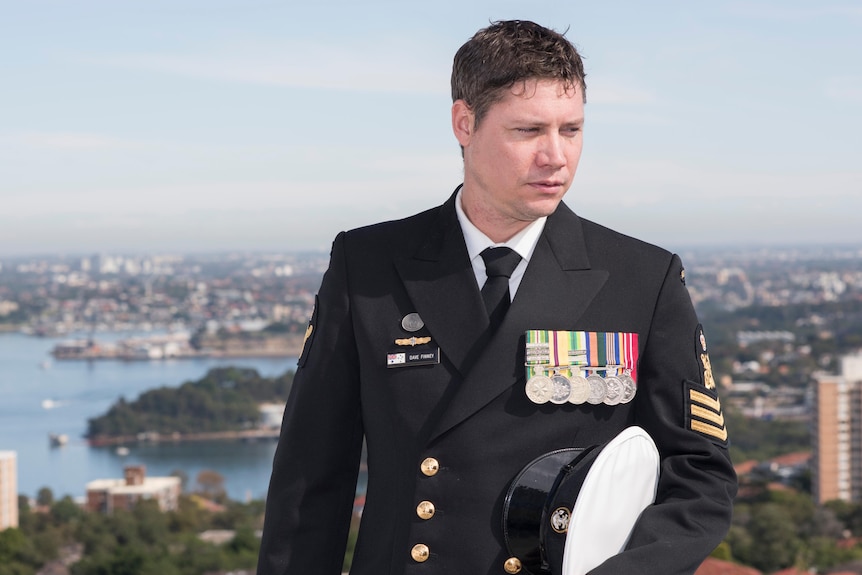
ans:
(528, 130)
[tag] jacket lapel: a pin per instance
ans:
(557, 288)
(441, 284)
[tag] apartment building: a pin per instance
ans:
(8, 489)
(837, 433)
(106, 495)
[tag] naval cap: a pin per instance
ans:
(569, 510)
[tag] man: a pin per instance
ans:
(408, 350)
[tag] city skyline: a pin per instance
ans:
(202, 127)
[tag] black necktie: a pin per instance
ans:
(499, 265)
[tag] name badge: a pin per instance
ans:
(413, 357)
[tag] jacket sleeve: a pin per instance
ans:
(677, 404)
(312, 488)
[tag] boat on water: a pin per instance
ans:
(58, 439)
(160, 346)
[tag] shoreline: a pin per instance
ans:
(154, 437)
(239, 354)
(180, 346)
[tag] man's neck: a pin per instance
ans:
(499, 229)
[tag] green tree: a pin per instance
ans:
(23, 505)
(198, 557)
(774, 542)
(225, 399)
(12, 543)
(210, 484)
(65, 510)
(823, 553)
(152, 524)
(850, 514)
(740, 543)
(189, 517)
(45, 497)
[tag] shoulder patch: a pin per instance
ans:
(703, 413)
(682, 276)
(706, 377)
(309, 335)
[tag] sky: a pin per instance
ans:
(203, 126)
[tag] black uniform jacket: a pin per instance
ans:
(470, 412)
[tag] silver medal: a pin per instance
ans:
(540, 389)
(614, 392)
(562, 389)
(629, 388)
(580, 389)
(597, 389)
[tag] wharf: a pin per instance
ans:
(154, 437)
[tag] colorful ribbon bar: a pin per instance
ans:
(573, 351)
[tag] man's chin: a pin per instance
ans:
(542, 208)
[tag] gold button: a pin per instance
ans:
(512, 565)
(420, 553)
(430, 466)
(425, 510)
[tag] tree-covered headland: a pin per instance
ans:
(225, 399)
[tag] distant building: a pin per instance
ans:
(8, 490)
(746, 338)
(7, 307)
(271, 414)
(106, 495)
(837, 433)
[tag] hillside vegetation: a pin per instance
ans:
(225, 399)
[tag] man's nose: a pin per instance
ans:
(551, 152)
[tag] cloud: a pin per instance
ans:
(677, 205)
(383, 179)
(378, 69)
(609, 115)
(637, 184)
(844, 89)
(781, 11)
(72, 141)
(615, 91)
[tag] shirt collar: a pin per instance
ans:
(524, 242)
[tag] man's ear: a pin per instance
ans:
(462, 122)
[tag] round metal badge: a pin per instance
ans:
(580, 389)
(562, 389)
(560, 519)
(412, 322)
(597, 389)
(629, 388)
(540, 389)
(614, 391)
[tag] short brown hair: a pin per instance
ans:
(511, 51)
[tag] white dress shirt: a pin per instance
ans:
(524, 242)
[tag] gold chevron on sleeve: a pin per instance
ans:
(705, 400)
(708, 415)
(704, 415)
(708, 429)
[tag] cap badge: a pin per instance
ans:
(412, 322)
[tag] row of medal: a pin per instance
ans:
(582, 385)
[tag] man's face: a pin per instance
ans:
(521, 159)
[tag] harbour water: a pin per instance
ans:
(40, 396)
